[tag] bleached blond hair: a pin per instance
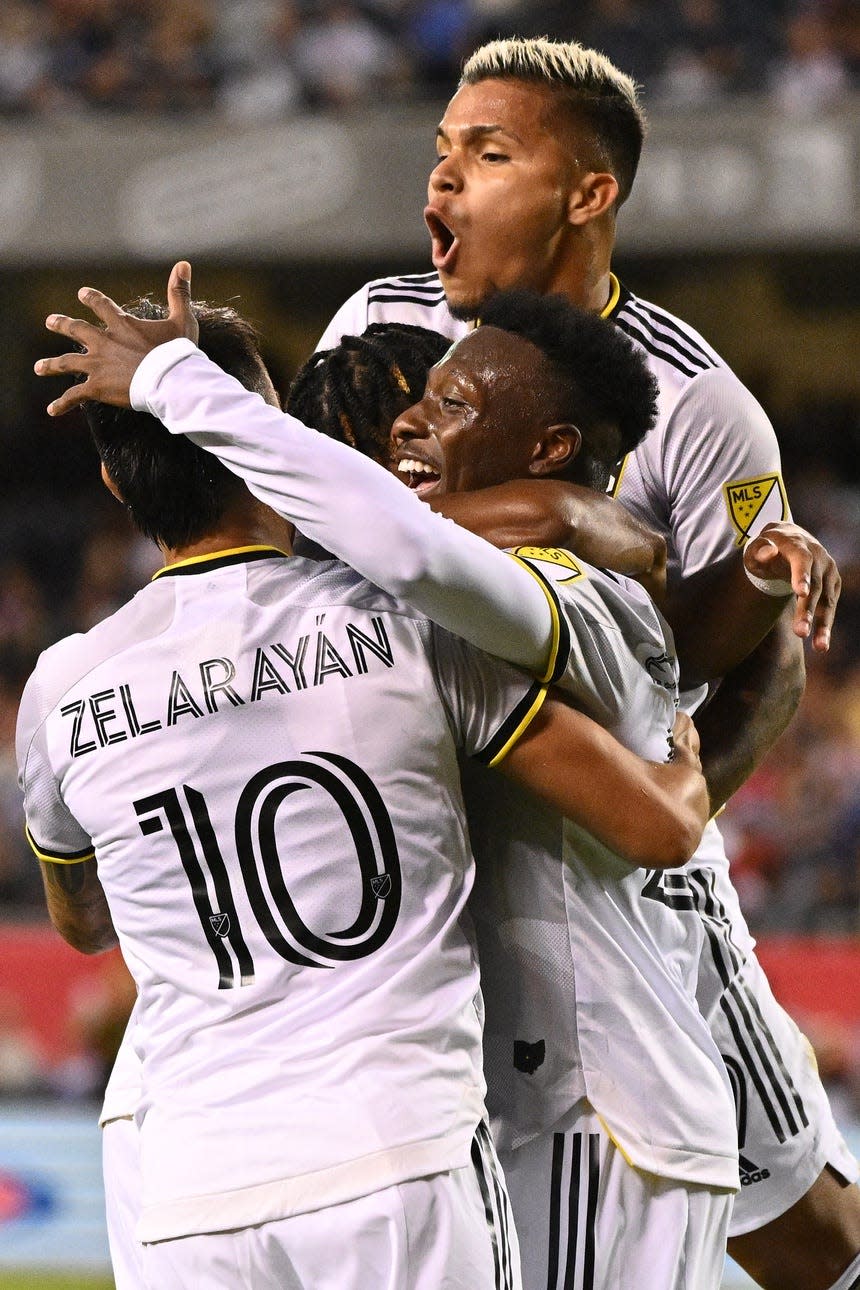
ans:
(590, 87)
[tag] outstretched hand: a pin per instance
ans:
(111, 353)
(787, 552)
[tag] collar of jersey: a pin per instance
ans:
(614, 296)
(608, 309)
(218, 560)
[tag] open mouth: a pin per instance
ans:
(418, 475)
(444, 243)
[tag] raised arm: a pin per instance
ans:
(650, 813)
(337, 498)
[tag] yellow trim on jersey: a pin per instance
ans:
(612, 490)
(49, 859)
(521, 728)
(555, 639)
(614, 293)
(612, 1138)
(746, 498)
(218, 555)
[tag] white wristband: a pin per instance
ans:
(770, 586)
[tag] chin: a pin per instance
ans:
(465, 310)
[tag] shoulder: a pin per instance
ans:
(416, 299)
(689, 371)
(63, 664)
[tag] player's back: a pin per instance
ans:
(589, 969)
(263, 753)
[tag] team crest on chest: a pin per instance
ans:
(756, 502)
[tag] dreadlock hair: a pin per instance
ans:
(602, 383)
(174, 491)
(355, 391)
(587, 87)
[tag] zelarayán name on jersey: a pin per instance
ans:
(112, 715)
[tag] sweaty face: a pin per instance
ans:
(498, 197)
(479, 420)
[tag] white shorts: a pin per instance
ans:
(454, 1230)
(786, 1130)
(121, 1170)
(589, 1221)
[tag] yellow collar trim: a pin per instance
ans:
(217, 555)
(614, 293)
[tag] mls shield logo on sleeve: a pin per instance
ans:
(752, 503)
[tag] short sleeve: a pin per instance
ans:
(52, 831)
(350, 320)
(722, 470)
(490, 704)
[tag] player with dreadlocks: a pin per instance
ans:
(355, 391)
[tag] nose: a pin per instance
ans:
(410, 425)
(445, 177)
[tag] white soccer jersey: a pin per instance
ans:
(590, 968)
(707, 476)
(262, 754)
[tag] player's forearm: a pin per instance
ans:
(354, 509)
(751, 709)
(551, 512)
(718, 618)
(651, 814)
(77, 906)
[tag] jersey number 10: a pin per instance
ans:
(185, 813)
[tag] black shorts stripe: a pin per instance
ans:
(554, 1235)
(504, 1216)
(575, 1248)
(487, 1181)
(757, 1048)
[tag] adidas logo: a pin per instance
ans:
(751, 1173)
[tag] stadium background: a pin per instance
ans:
(283, 147)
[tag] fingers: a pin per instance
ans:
(76, 329)
(101, 305)
(71, 398)
(179, 300)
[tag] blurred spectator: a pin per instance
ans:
(343, 58)
(811, 75)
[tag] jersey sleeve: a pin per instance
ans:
(52, 831)
(490, 704)
(352, 507)
(721, 467)
(609, 631)
(350, 319)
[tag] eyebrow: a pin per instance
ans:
(472, 133)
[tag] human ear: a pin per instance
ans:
(555, 450)
(107, 480)
(594, 195)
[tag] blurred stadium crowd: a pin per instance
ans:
(263, 59)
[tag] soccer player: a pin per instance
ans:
(248, 775)
(500, 398)
(537, 151)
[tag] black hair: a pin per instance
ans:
(174, 491)
(355, 391)
(604, 385)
